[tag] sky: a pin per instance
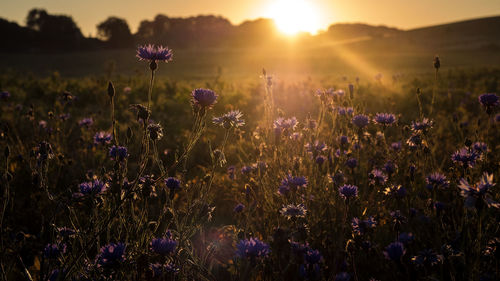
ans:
(403, 14)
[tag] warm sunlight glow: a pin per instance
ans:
(293, 16)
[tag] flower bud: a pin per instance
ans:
(111, 90)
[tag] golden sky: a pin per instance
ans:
(397, 13)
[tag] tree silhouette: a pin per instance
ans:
(54, 31)
(116, 32)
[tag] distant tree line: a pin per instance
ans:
(48, 32)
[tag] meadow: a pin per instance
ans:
(204, 166)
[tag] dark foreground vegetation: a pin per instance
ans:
(148, 178)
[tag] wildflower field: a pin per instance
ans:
(146, 177)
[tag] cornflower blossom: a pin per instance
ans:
(489, 101)
(390, 167)
(285, 126)
(54, 251)
(164, 245)
(360, 227)
(480, 147)
(476, 195)
(252, 248)
(436, 180)
(239, 208)
(396, 146)
(95, 187)
(377, 177)
(203, 98)
(154, 53)
(385, 119)
(229, 120)
(422, 126)
(111, 255)
(345, 111)
(427, 257)
(394, 251)
(316, 147)
(102, 138)
(348, 191)
(291, 183)
(351, 163)
(360, 121)
(293, 211)
(465, 157)
(160, 270)
(4, 95)
(118, 153)
(173, 183)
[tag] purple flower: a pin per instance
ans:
(64, 116)
(293, 211)
(396, 146)
(394, 251)
(377, 177)
(203, 98)
(118, 153)
(360, 227)
(173, 183)
(465, 157)
(160, 270)
(95, 187)
(343, 140)
(348, 191)
(232, 119)
(345, 111)
(252, 248)
(239, 208)
(54, 251)
(351, 163)
(389, 167)
(423, 125)
(312, 256)
(360, 120)
(4, 95)
(427, 257)
(231, 172)
(337, 178)
(480, 147)
(291, 183)
(320, 159)
(489, 101)
(316, 147)
(436, 180)
(102, 138)
(111, 255)
(282, 125)
(154, 53)
(86, 122)
(398, 218)
(385, 119)
(164, 245)
(478, 194)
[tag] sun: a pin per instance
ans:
(294, 16)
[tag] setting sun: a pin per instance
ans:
(294, 16)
